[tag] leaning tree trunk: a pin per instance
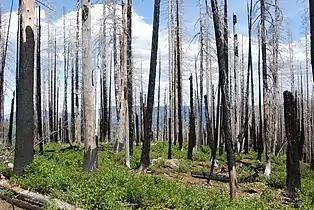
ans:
(223, 73)
(151, 89)
(293, 180)
(24, 153)
(90, 153)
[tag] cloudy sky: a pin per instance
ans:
(293, 11)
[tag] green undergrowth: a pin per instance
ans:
(59, 174)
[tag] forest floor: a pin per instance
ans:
(166, 185)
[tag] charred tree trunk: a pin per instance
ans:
(222, 53)
(151, 89)
(38, 88)
(192, 137)
(25, 90)
(293, 180)
(130, 75)
(11, 121)
(158, 98)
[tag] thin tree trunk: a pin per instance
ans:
(158, 98)
(180, 136)
(265, 92)
(65, 117)
(311, 10)
(11, 120)
(192, 137)
(260, 144)
(200, 109)
(38, 101)
(130, 75)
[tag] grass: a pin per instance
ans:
(60, 175)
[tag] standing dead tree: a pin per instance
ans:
(90, 153)
(293, 180)
(24, 153)
(220, 35)
(145, 161)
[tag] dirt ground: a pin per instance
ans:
(7, 206)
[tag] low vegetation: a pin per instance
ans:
(59, 173)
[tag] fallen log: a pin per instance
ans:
(224, 178)
(216, 177)
(19, 203)
(35, 198)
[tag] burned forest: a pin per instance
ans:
(156, 104)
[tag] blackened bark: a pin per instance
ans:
(38, 88)
(158, 99)
(169, 139)
(192, 137)
(25, 91)
(129, 75)
(260, 145)
(137, 130)
(209, 139)
(151, 90)
(293, 180)
(11, 120)
(222, 53)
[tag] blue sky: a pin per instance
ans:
(292, 10)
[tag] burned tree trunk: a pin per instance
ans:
(25, 90)
(158, 99)
(293, 180)
(222, 54)
(192, 137)
(151, 89)
(38, 88)
(11, 120)
(129, 75)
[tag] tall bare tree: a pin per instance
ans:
(222, 54)
(38, 86)
(90, 152)
(265, 90)
(145, 161)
